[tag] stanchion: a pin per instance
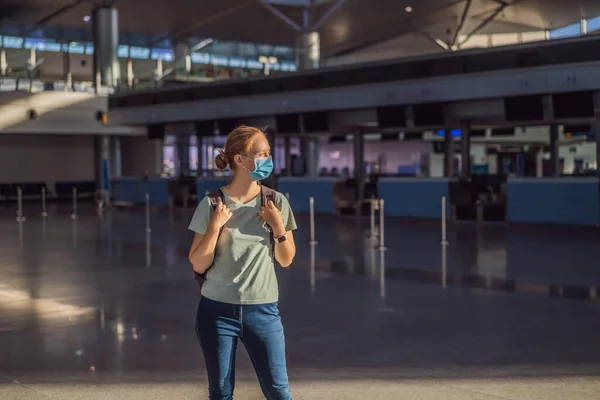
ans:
(381, 227)
(479, 211)
(313, 285)
(311, 203)
(444, 238)
(374, 233)
(148, 229)
(44, 213)
(74, 215)
(20, 217)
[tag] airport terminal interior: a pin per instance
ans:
(440, 158)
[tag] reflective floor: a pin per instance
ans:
(97, 308)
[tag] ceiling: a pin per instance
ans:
(356, 24)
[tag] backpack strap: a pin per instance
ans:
(214, 197)
(266, 195)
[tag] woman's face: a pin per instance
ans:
(260, 148)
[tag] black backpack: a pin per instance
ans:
(215, 196)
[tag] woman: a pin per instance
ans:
(233, 247)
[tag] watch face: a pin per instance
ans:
(282, 239)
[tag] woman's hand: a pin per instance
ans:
(219, 216)
(272, 216)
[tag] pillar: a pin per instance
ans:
(309, 148)
(539, 163)
(116, 166)
(102, 161)
(597, 113)
(130, 74)
(67, 67)
(201, 155)
(359, 165)
(287, 148)
(105, 30)
(554, 155)
(465, 149)
(309, 50)
(31, 62)
(3, 63)
(182, 145)
(449, 153)
(183, 60)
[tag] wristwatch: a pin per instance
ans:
(281, 239)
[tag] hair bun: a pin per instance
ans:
(221, 160)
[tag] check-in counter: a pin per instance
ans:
(569, 201)
(414, 197)
(132, 190)
(208, 184)
(302, 189)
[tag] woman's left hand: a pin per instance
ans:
(272, 216)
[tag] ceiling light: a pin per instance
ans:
(408, 9)
(87, 18)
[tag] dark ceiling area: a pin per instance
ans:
(355, 24)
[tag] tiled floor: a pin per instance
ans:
(97, 309)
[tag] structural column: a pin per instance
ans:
(182, 143)
(287, 145)
(465, 147)
(554, 156)
(597, 113)
(449, 153)
(105, 28)
(359, 165)
(116, 165)
(309, 50)
(183, 60)
(3, 63)
(309, 148)
(102, 161)
(67, 68)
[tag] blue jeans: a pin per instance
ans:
(220, 325)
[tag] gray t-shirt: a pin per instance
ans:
(243, 271)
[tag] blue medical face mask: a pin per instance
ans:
(263, 167)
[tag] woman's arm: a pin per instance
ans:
(202, 251)
(286, 250)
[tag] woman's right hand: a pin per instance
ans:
(219, 216)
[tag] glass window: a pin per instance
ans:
(254, 64)
(220, 60)
(194, 158)
(593, 24)
(76, 48)
(168, 161)
(237, 62)
(566, 31)
(165, 54)
(139, 52)
(123, 51)
(89, 48)
(201, 58)
(12, 42)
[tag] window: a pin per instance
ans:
(12, 42)
(593, 24)
(566, 31)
